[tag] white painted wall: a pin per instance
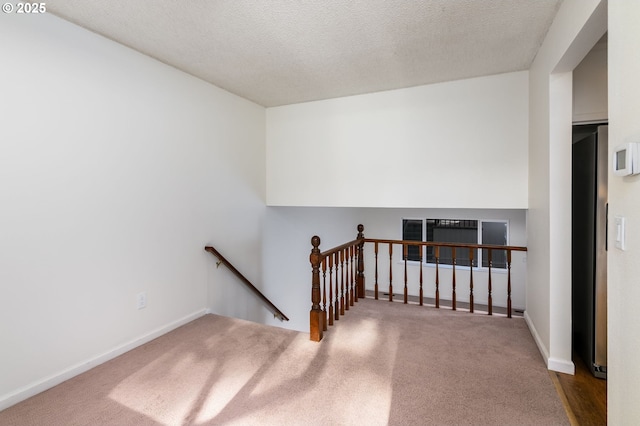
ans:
(590, 86)
(286, 249)
(461, 144)
(577, 27)
(624, 200)
(115, 171)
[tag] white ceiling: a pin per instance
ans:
(278, 52)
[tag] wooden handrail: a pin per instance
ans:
(434, 244)
(340, 247)
(276, 312)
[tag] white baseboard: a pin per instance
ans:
(561, 366)
(536, 338)
(553, 364)
(28, 391)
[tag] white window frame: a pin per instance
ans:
(479, 239)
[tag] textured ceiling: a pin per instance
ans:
(277, 52)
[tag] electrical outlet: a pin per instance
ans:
(142, 300)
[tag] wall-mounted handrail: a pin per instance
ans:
(276, 312)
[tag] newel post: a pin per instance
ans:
(360, 253)
(315, 316)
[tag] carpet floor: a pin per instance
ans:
(382, 364)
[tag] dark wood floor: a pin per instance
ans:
(583, 395)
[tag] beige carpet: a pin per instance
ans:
(384, 363)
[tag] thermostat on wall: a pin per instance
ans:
(625, 160)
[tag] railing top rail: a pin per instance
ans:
(434, 243)
(277, 312)
(341, 247)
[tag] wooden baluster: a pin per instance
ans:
(330, 289)
(337, 304)
(360, 253)
(324, 294)
(453, 282)
(420, 253)
(347, 253)
(375, 252)
(352, 252)
(470, 280)
(490, 299)
(437, 277)
(315, 315)
(347, 279)
(341, 282)
(405, 249)
(508, 283)
(390, 272)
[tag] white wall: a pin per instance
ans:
(286, 249)
(461, 144)
(115, 171)
(577, 27)
(590, 86)
(624, 199)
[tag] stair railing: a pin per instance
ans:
(222, 261)
(344, 266)
(348, 262)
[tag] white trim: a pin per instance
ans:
(28, 391)
(536, 337)
(589, 118)
(553, 364)
(480, 222)
(561, 366)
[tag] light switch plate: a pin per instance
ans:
(619, 232)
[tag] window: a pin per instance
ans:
(462, 231)
(494, 233)
(452, 231)
(412, 230)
